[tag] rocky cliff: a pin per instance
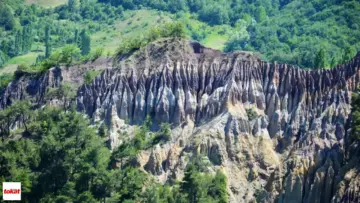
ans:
(280, 133)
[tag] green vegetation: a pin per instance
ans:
(320, 60)
(163, 135)
(5, 79)
(355, 115)
(90, 75)
(85, 43)
(58, 157)
(285, 31)
(135, 43)
(97, 53)
(269, 27)
(46, 3)
(251, 114)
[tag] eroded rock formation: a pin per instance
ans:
(280, 133)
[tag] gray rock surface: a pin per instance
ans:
(295, 149)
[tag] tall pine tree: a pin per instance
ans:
(47, 42)
(85, 43)
(18, 43)
(27, 38)
(76, 37)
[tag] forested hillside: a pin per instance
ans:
(64, 159)
(285, 31)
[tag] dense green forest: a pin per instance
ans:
(291, 32)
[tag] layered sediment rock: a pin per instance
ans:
(278, 132)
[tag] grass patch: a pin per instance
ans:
(132, 24)
(216, 41)
(28, 58)
(211, 36)
(46, 3)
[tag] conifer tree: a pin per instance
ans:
(27, 38)
(18, 43)
(47, 42)
(85, 43)
(76, 37)
(72, 5)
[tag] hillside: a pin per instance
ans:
(269, 132)
(267, 27)
(178, 101)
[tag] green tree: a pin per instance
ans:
(18, 43)
(260, 14)
(69, 54)
(188, 185)
(64, 93)
(47, 41)
(76, 37)
(164, 134)
(102, 130)
(18, 111)
(355, 115)
(27, 38)
(320, 60)
(348, 54)
(72, 4)
(218, 188)
(7, 19)
(86, 197)
(333, 62)
(85, 43)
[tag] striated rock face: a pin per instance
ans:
(280, 133)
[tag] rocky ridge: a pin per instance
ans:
(279, 133)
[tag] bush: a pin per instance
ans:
(251, 114)
(90, 75)
(5, 79)
(135, 43)
(163, 135)
(355, 121)
(129, 45)
(69, 54)
(97, 53)
(21, 70)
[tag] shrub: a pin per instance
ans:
(134, 43)
(251, 114)
(21, 70)
(102, 130)
(5, 79)
(163, 135)
(90, 75)
(97, 53)
(129, 45)
(69, 54)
